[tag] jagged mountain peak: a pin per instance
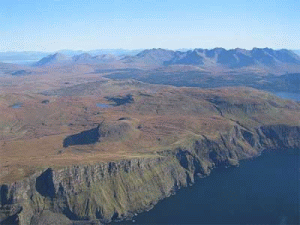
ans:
(208, 58)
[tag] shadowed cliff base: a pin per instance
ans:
(44, 184)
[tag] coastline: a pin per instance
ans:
(117, 190)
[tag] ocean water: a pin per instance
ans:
(21, 62)
(287, 95)
(263, 190)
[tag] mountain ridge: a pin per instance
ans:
(218, 57)
(37, 55)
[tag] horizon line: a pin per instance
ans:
(137, 49)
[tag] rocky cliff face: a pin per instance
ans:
(116, 190)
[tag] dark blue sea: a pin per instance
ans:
(291, 96)
(264, 190)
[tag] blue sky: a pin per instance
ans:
(51, 25)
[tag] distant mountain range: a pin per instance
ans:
(36, 55)
(265, 59)
(84, 58)
(217, 61)
(233, 58)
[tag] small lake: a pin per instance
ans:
(102, 105)
(16, 105)
(287, 95)
(264, 190)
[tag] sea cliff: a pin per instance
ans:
(115, 190)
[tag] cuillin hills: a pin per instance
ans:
(264, 59)
(233, 58)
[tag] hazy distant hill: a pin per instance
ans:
(96, 52)
(16, 57)
(106, 58)
(150, 57)
(117, 52)
(87, 58)
(57, 58)
(297, 51)
(84, 57)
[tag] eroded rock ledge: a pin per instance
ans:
(116, 190)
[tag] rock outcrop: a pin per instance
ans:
(116, 190)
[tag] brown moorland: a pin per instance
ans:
(48, 121)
